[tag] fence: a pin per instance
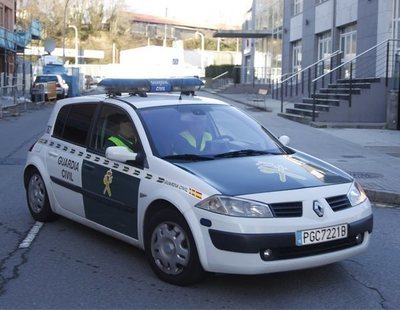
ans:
(15, 91)
(300, 82)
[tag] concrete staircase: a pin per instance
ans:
(327, 99)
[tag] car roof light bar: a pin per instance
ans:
(115, 87)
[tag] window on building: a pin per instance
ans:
(8, 18)
(297, 56)
(297, 7)
(324, 50)
(324, 44)
(1, 15)
(348, 42)
(348, 46)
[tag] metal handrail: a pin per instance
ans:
(354, 58)
(219, 76)
(312, 65)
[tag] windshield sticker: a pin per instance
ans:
(107, 180)
(283, 172)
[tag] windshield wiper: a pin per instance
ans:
(188, 157)
(243, 153)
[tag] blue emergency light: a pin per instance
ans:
(115, 87)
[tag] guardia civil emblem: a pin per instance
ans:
(107, 180)
(282, 172)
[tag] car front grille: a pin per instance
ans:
(287, 209)
(338, 203)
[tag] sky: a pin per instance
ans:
(230, 12)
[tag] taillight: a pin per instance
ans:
(58, 84)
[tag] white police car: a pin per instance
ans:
(200, 186)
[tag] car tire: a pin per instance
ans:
(37, 198)
(171, 250)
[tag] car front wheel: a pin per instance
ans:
(37, 198)
(171, 250)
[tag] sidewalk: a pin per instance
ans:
(372, 156)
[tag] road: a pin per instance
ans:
(71, 266)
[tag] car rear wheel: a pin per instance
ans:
(171, 250)
(38, 200)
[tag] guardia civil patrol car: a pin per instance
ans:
(199, 186)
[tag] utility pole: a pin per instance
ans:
(65, 17)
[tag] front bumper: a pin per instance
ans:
(283, 245)
(257, 246)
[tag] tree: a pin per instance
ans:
(93, 18)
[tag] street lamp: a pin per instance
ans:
(202, 50)
(65, 16)
(76, 42)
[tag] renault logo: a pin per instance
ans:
(318, 209)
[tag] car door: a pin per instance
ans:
(67, 149)
(110, 188)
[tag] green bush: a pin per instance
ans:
(214, 70)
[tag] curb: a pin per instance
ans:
(389, 198)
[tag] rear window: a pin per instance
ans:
(46, 78)
(73, 123)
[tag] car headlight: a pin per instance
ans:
(356, 194)
(235, 207)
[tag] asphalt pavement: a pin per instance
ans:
(370, 155)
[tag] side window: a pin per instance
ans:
(114, 128)
(73, 123)
(61, 121)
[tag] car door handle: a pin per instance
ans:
(53, 154)
(88, 166)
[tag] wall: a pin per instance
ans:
(324, 16)
(346, 11)
(296, 27)
(385, 16)
(367, 25)
(309, 45)
(286, 46)
(167, 61)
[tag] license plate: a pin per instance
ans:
(319, 235)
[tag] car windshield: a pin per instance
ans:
(205, 132)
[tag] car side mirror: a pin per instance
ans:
(284, 140)
(120, 153)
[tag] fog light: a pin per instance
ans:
(267, 254)
(359, 238)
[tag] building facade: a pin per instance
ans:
(314, 29)
(262, 42)
(293, 34)
(7, 48)
(14, 71)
